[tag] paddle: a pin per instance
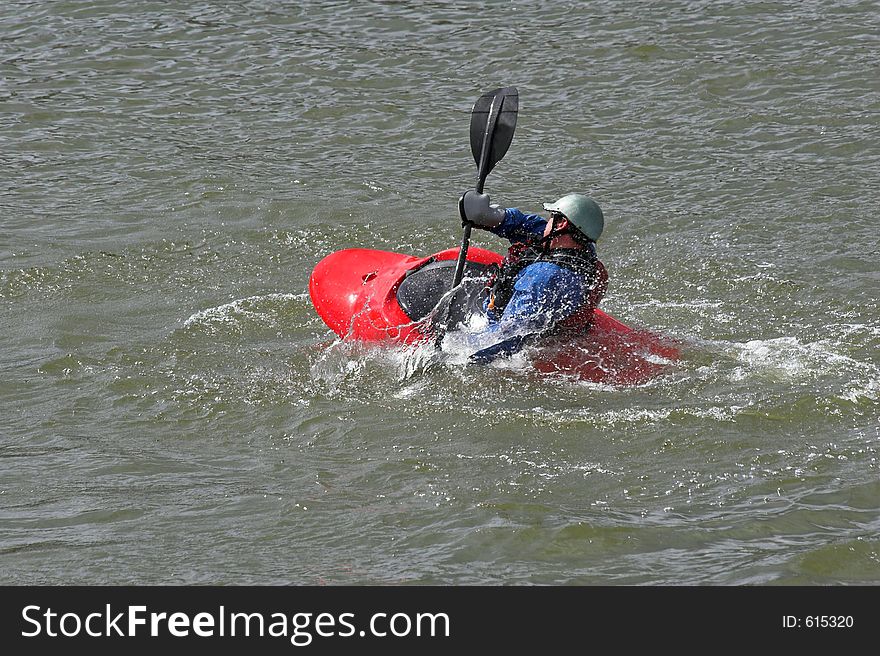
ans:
(493, 120)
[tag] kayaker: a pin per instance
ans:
(551, 279)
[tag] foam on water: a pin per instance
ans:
(233, 315)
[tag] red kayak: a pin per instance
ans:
(379, 296)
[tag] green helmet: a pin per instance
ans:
(582, 211)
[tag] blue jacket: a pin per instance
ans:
(544, 294)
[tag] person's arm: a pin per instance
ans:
(508, 223)
(503, 349)
(519, 226)
(543, 295)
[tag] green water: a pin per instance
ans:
(174, 411)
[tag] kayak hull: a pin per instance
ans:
(355, 292)
(359, 293)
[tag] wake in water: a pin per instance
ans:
(788, 360)
(341, 364)
(236, 314)
(737, 376)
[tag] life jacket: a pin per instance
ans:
(581, 261)
(582, 319)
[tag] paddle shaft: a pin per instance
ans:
(483, 172)
(493, 144)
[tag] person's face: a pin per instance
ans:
(557, 221)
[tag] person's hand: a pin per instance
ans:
(476, 209)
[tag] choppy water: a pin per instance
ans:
(173, 410)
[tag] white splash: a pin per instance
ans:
(787, 357)
(232, 312)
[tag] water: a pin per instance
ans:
(174, 411)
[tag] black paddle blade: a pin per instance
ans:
(501, 133)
